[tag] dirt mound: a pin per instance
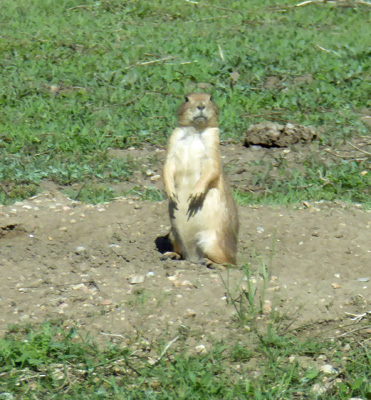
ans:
(270, 134)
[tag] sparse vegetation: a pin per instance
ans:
(79, 79)
(343, 181)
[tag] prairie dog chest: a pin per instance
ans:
(189, 152)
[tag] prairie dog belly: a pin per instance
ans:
(189, 156)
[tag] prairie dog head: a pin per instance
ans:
(198, 111)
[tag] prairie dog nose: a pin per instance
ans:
(201, 106)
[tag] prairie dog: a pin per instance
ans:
(203, 213)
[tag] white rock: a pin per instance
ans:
(80, 250)
(190, 313)
(187, 284)
(201, 349)
(134, 280)
(155, 178)
(78, 286)
(328, 369)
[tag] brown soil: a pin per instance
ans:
(67, 260)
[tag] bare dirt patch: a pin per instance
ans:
(98, 267)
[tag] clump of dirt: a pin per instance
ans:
(98, 267)
(271, 134)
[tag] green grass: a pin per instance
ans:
(93, 194)
(78, 79)
(54, 363)
(147, 193)
(343, 181)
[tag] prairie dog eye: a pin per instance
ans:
(186, 99)
(211, 99)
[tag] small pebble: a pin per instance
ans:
(328, 369)
(80, 250)
(335, 286)
(155, 178)
(187, 284)
(134, 280)
(346, 347)
(190, 313)
(363, 279)
(78, 286)
(201, 349)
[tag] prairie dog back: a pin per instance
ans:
(203, 214)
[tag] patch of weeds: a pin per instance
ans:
(21, 176)
(92, 194)
(345, 181)
(51, 362)
(248, 298)
(138, 298)
(284, 354)
(147, 193)
(11, 193)
(240, 352)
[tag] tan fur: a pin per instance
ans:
(203, 214)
